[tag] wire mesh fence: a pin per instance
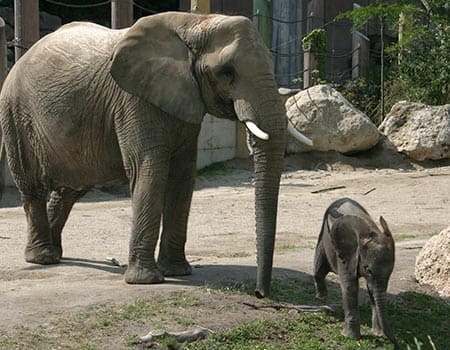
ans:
(342, 58)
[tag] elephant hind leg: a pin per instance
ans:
(39, 249)
(58, 209)
(321, 270)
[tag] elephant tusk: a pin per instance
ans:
(298, 135)
(253, 128)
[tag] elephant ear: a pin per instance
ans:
(152, 62)
(385, 227)
(345, 240)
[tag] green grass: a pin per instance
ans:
(409, 236)
(234, 255)
(415, 318)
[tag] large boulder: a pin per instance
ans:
(420, 131)
(433, 263)
(325, 116)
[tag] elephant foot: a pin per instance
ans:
(138, 274)
(351, 333)
(170, 268)
(43, 255)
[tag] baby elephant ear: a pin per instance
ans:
(152, 62)
(385, 227)
(345, 240)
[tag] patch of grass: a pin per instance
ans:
(407, 236)
(299, 291)
(184, 300)
(182, 321)
(286, 248)
(306, 331)
(419, 321)
(235, 255)
(213, 169)
(416, 315)
(9, 343)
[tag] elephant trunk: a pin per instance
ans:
(268, 156)
(381, 308)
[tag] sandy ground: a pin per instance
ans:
(221, 244)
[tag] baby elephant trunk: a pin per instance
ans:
(381, 308)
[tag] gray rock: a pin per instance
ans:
(420, 131)
(325, 116)
(433, 263)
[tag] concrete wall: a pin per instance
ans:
(216, 142)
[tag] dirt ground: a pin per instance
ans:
(413, 198)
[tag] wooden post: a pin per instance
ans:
(360, 56)
(317, 13)
(3, 53)
(309, 64)
(26, 25)
(121, 14)
(262, 10)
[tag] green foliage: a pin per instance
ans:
(417, 66)
(364, 95)
(316, 43)
(381, 10)
(422, 73)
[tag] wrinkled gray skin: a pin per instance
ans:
(352, 246)
(87, 105)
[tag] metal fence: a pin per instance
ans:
(345, 56)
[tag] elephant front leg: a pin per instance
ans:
(349, 288)
(58, 209)
(147, 190)
(172, 259)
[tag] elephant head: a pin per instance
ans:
(367, 252)
(191, 64)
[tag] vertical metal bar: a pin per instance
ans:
(26, 25)
(3, 52)
(114, 14)
(18, 40)
(121, 13)
(258, 20)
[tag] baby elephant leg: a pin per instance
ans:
(349, 288)
(321, 269)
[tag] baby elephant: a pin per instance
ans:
(351, 245)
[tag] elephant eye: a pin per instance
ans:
(227, 73)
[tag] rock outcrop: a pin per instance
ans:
(420, 131)
(325, 116)
(433, 263)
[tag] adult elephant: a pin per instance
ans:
(87, 105)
